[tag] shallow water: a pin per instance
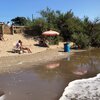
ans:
(47, 82)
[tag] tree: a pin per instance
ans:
(82, 40)
(19, 21)
(50, 17)
(39, 25)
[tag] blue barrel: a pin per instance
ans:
(66, 47)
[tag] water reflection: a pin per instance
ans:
(80, 70)
(47, 82)
(52, 65)
(85, 63)
(88, 61)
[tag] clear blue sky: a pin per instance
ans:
(25, 8)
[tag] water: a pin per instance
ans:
(87, 88)
(47, 82)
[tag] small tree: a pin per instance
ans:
(19, 21)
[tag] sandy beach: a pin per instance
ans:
(11, 61)
(10, 41)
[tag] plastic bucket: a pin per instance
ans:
(66, 48)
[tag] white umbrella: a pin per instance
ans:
(50, 33)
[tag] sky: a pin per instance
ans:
(10, 9)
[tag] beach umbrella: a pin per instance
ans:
(50, 33)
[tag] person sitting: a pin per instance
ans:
(43, 42)
(21, 47)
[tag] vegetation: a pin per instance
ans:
(20, 21)
(83, 32)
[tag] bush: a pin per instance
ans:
(81, 40)
(96, 40)
(53, 40)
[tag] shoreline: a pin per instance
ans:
(22, 61)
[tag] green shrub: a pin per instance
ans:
(53, 40)
(96, 40)
(81, 40)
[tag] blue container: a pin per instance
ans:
(66, 47)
